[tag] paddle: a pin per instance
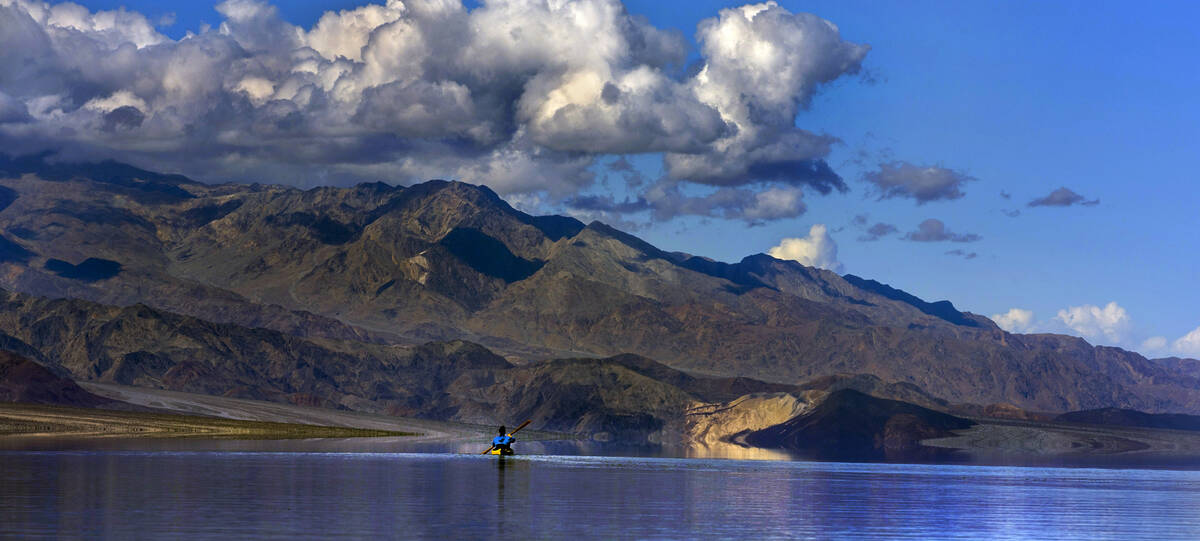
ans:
(515, 430)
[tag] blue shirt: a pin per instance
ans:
(503, 440)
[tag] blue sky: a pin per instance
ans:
(1024, 98)
(1100, 97)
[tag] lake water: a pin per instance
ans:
(224, 494)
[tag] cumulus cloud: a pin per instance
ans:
(1110, 323)
(1015, 320)
(877, 231)
(1063, 197)
(1189, 344)
(923, 183)
(522, 95)
(815, 250)
(963, 254)
(762, 65)
(934, 230)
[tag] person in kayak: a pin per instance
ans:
(503, 442)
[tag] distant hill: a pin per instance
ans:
(362, 269)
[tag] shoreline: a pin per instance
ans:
(173, 415)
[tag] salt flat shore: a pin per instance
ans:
(256, 410)
(170, 414)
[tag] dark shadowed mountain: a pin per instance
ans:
(382, 266)
(22, 380)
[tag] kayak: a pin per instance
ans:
(505, 451)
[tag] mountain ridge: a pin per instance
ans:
(446, 260)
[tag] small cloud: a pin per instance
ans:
(1015, 320)
(667, 201)
(1154, 343)
(963, 254)
(860, 220)
(1012, 213)
(934, 230)
(605, 203)
(1189, 344)
(1092, 322)
(1062, 197)
(877, 231)
(1005, 194)
(816, 250)
(924, 183)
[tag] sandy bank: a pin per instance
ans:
(35, 420)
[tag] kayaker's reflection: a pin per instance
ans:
(500, 465)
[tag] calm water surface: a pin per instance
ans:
(123, 494)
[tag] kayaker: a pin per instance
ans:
(503, 442)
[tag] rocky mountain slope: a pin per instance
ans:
(624, 397)
(380, 266)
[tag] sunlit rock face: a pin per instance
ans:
(721, 423)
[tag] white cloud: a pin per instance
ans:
(1092, 322)
(816, 250)
(1015, 320)
(119, 99)
(1154, 343)
(523, 95)
(346, 32)
(1189, 344)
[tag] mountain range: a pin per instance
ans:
(442, 300)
